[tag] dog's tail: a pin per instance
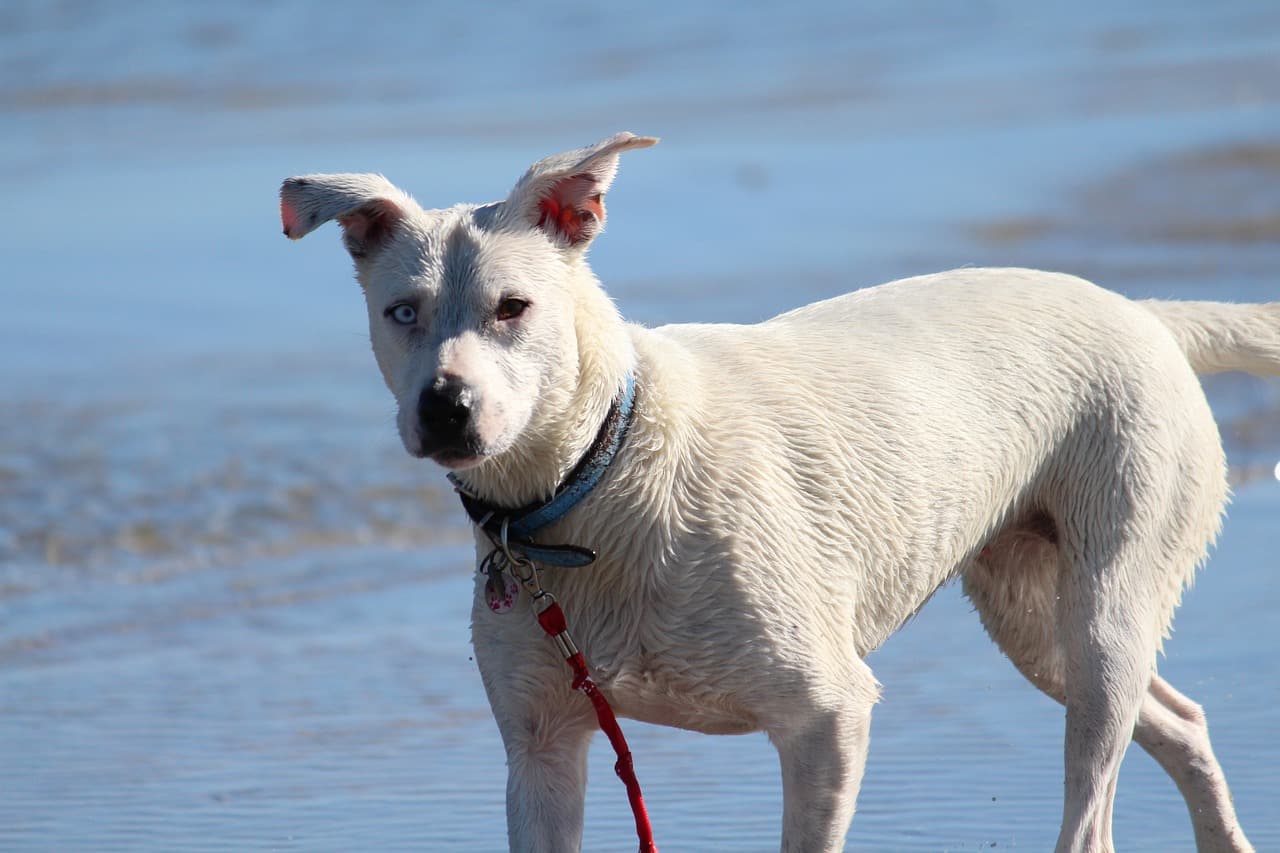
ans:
(1220, 336)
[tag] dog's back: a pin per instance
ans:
(922, 416)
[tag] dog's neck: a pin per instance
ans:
(564, 432)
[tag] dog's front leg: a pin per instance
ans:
(546, 728)
(546, 780)
(822, 758)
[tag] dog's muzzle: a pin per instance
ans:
(445, 409)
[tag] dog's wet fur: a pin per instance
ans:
(791, 492)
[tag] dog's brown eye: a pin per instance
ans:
(510, 308)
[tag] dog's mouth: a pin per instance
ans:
(455, 460)
(452, 454)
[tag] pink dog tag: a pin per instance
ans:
(500, 592)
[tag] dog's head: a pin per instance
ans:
(474, 311)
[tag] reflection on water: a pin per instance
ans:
(234, 612)
(153, 481)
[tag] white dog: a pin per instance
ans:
(777, 499)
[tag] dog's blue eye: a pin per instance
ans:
(405, 315)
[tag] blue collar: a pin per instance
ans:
(522, 523)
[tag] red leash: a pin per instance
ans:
(552, 621)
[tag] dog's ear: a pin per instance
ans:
(563, 195)
(368, 207)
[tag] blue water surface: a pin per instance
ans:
(233, 614)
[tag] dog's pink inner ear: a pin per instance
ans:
(573, 209)
(288, 218)
(367, 227)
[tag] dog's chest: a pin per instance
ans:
(669, 687)
(662, 691)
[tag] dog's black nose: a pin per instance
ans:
(444, 411)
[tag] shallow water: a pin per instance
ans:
(234, 614)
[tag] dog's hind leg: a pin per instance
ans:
(1094, 659)
(1172, 729)
(823, 754)
(1014, 586)
(1109, 645)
